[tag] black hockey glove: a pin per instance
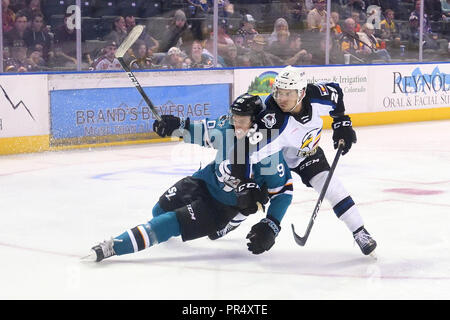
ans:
(169, 124)
(248, 195)
(342, 129)
(262, 235)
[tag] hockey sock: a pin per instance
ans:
(343, 205)
(157, 210)
(165, 226)
(159, 229)
(347, 212)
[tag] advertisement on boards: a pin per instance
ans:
(353, 81)
(79, 116)
(23, 112)
(409, 87)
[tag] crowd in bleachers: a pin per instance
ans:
(40, 35)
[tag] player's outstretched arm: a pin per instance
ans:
(169, 124)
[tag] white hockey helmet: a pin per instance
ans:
(290, 78)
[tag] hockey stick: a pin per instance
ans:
(126, 44)
(302, 240)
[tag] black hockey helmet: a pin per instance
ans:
(247, 105)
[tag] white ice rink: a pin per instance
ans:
(55, 206)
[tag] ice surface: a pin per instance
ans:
(56, 205)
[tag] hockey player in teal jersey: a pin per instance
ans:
(224, 192)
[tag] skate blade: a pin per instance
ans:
(373, 255)
(91, 257)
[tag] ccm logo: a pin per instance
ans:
(191, 211)
(345, 123)
(250, 185)
(307, 164)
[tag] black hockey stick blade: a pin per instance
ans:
(302, 240)
(299, 240)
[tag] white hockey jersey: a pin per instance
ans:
(297, 136)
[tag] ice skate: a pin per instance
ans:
(365, 242)
(101, 251)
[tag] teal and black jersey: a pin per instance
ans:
(271, 172)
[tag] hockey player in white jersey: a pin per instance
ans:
(291, 122)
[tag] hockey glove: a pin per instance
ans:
(248, 195)
(262, 235)
(169, 124)
(342, 129)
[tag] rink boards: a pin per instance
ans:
(40, 112)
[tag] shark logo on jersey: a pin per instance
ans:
(309, 142)
(269, 120)
(222, 120)
(230, 182)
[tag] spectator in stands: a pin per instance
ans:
(316, 18)
(15, 37)
(151, 43)
(197, 59)
(223, 38)
(413, 32)
(6, 57)
(177, 31)
(196, 13)
(426, 21)
(350, 42)
(140, 58)
(289, 49)
(18, 62)
(247, 29)
(130, 22)
(244, 61)
(296, 11)
(241, 48)
(65, 50)
(318, 52)
(280, 25)
(8, 17)
(388, 27)
(335, 27)
(280, 47)
(31, 8)
(445, 7)
(118, 32)
(35, 59)
(37, 34)
(258, 55)
(371, 47)
(174, 59)
(107, 61)
(231, 56)
(296, 54)
(356, 16)
(434, 9)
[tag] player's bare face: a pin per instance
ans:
(286, 99)
(241, 125)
